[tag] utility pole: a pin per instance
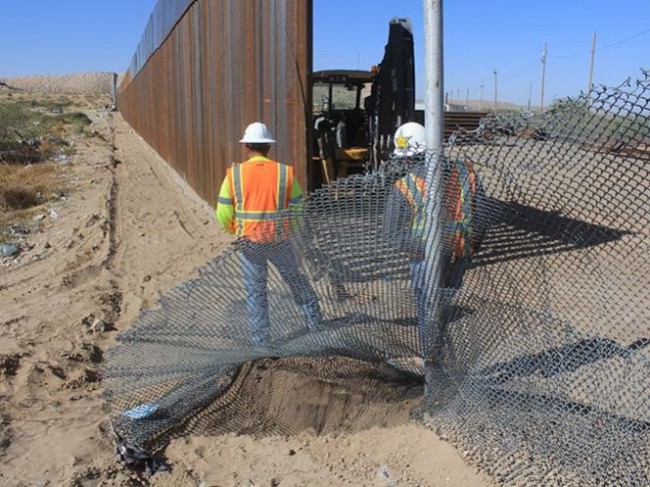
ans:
(495, 90)
(480, 106)
(543, 76)
(591, 64)
(457, 96)
(467, 99)
(434, 125)
(433, 81)
(530, 94)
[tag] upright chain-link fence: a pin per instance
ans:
(534, 321)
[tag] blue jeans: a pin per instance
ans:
(420, 286)
(429, 333)
(254, 259)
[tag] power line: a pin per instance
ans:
(526, 68)
(618, 43)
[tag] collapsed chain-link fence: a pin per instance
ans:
(532, 308)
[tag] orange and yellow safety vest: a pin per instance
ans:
(253, 198)
(460, 204)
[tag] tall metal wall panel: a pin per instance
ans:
(220, 65)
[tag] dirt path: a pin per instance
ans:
(125, 234)
(128, 231)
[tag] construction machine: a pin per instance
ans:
(357, 112)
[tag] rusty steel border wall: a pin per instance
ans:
(204, 70)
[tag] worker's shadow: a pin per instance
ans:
(557, 361)
(516, 231)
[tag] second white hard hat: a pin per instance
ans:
(410, 138)
(257, 133)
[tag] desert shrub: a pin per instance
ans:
(78, 120)
(28, 136)
(15, 118)
(20, 133)
(60, 124)
(51, 102)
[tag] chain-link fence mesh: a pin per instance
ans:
(531, 309)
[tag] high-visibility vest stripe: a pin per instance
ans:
(282, 187)
(282, 197)
(238, 183)
(258, 216)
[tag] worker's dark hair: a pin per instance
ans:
(261, 148)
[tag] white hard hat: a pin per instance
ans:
(257, 133)
(410, 139)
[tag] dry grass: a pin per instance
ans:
(23, 189)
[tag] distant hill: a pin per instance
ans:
(478, 106)
(83, 83)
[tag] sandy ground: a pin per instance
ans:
(129, 230)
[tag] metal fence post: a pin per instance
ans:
(434, 125)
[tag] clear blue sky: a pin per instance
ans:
(69, 36)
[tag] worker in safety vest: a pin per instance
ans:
(252, 204)
(405, 219)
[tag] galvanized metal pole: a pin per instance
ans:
(543, 77)
(434, 126)
(495, 91)
(591, 64)
(433, 76)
